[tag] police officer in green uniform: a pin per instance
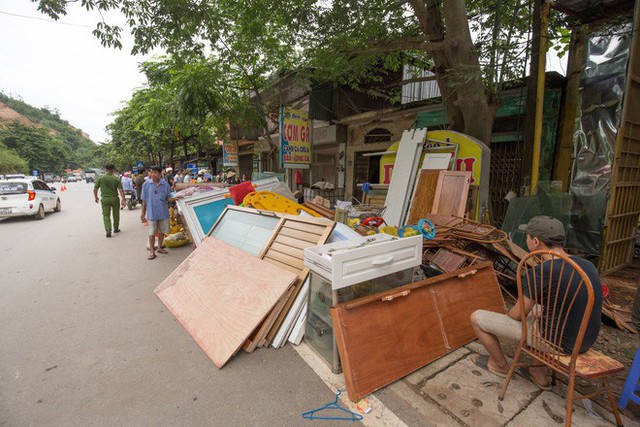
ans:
(110, 186)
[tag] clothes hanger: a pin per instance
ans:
(311, 415)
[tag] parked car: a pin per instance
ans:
(90, 176)
(27, 197)
(71, 178)
(14, 175)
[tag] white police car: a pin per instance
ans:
(27, 197)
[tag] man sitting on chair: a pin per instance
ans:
(543, 233)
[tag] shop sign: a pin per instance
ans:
(295, 138)
(230, 154)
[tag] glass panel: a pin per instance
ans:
(209, 213)
(245, 230)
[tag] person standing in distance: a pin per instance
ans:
(156, 195)
(109, 186)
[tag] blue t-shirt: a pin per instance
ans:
(156, 198)
(127, 183)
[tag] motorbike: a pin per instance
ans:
(132, 200)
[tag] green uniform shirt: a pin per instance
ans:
(108, 185)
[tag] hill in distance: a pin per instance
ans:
(43, 139)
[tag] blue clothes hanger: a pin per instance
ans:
(311, 415)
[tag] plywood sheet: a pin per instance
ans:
(220, 295)
(383, 337)
(423, 197)
(452, 192)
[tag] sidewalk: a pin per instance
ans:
(452, 391)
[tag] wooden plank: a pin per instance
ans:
(282, 265)
(306, 227)
(219, 299)
(286, 249)
(452, 192)
(292, 317)
(322, 239)
(296, 234)
(294, 243)
(423, 197)
(253, 341)
(411, 326)
(295, 262)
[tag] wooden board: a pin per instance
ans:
(623, 208)
(423, 197)
(318, 232)
(284, 250)
(220, 294)
(292, 316)
(452, 192)
(383, 337)
(404, 176)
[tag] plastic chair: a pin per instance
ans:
(631, 385)
(542, 338)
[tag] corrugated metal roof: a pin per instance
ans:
(592, 10)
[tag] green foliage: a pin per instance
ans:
(39, 149)
(11, 162)
(81, 149)
(359, 43)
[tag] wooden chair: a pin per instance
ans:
(546, 334)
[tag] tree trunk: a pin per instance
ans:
(457, 67)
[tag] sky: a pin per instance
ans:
(65, 66)
(61, 65)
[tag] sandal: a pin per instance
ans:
(527, 375)
(482, 361)
(152, 257)
(161, 251)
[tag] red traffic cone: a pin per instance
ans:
(63, 187)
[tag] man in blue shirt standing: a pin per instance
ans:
(156, 195)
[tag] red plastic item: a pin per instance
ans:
(375, 221)
(238, 192)
(605, 290)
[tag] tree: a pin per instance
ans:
(41, 150)
(346, 40)
(11, 162)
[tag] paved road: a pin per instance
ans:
(84, 341)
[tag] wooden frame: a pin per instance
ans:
(285, 249)
(623, 209)
(452, 192)
(248, 237)
(187, 208)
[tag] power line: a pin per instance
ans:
(37, 18)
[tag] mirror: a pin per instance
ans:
(52, 189)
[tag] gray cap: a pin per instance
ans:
(545, 228)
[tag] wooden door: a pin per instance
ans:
(621, 221)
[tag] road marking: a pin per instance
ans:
(380, 415)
